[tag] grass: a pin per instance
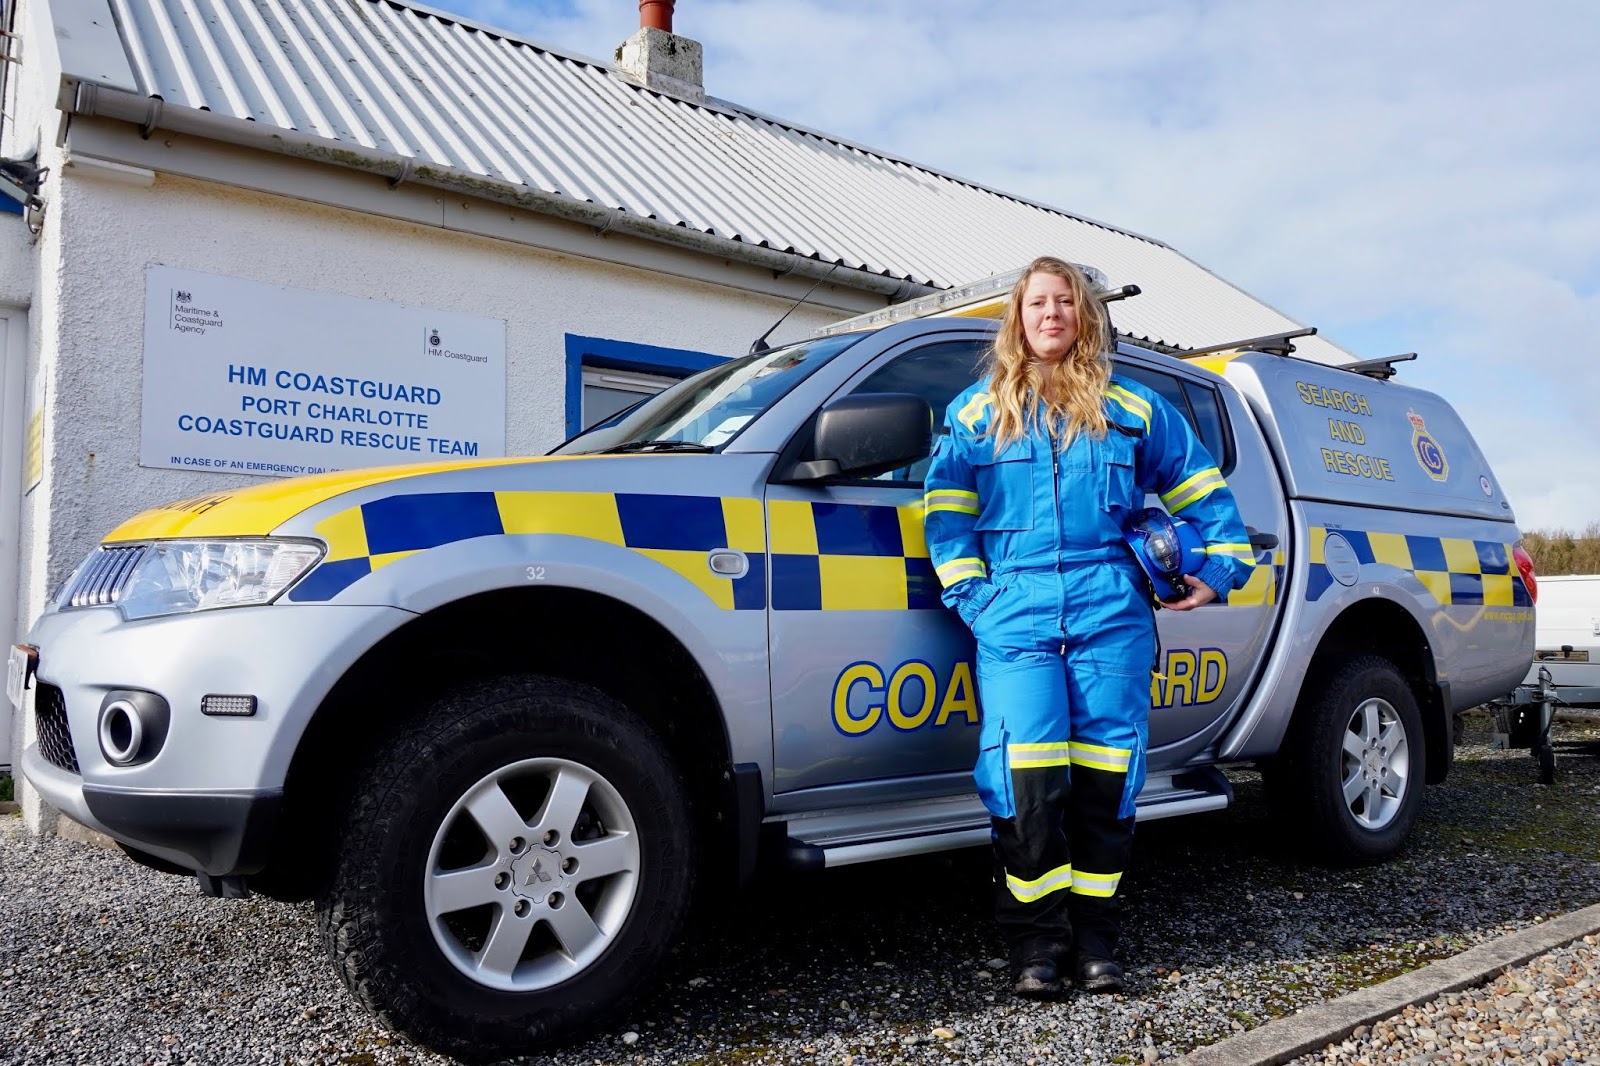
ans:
(7, 789)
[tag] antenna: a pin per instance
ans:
(761, 344)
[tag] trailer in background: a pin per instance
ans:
(1565, 671)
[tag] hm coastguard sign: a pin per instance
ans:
(250, 378)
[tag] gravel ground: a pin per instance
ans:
(1546, 1013)
(102, 961)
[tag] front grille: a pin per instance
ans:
(55, 739)
(101, 579)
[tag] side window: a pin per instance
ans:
(1198, 403)
(937, 373)
(1205, 414)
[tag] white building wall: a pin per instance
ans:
(17, 262)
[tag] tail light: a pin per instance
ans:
(1525, 568)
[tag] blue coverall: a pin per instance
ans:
(1028, 544)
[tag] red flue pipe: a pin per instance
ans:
(656, 14)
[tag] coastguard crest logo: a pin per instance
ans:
(1429, 455)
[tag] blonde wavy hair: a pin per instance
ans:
(1068, 398)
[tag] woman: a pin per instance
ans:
(1038, 468)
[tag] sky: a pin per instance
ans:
(1420, 176)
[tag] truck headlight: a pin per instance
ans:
(176, 576)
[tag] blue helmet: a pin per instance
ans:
(1167, 548)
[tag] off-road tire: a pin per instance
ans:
(1306, 782)
(374, 914)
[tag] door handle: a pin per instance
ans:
(1261, 542)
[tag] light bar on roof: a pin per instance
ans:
(950, 301)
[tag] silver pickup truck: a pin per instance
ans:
(502, 718)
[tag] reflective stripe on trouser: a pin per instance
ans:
(1059, 858)
(1062, 753)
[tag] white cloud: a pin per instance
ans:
(1404, 176)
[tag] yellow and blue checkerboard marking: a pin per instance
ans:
(844, 557)
(824, 556)
(676, 531)
(1458, 572)
(1261, 587)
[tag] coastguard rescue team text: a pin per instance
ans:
(374, 422)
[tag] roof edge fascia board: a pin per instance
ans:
(149, 113)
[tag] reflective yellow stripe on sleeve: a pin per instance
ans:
(1194, 489)
(1134, 404)
(958, 500)
(1040, 887)
(1102, 885)
(961, 569)
(1237, 551)
(972, 411)
(1098, 757)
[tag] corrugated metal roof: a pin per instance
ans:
(403, 80)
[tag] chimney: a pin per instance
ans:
(659, 59)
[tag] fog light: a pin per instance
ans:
(132, 727)
(228, 706)
(121, 733)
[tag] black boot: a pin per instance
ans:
(1096, 928)
(1036, 967)
(1036, 979)
(1094, 974)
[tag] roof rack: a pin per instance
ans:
(1382, 369)
(1272, 343)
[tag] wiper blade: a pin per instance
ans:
(658, 446)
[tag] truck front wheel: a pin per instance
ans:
(1352, 767)
(514, 862)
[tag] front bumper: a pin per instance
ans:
(218, 833)
(209, 798)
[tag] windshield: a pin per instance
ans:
(705, 412)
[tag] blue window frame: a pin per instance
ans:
(644, 363)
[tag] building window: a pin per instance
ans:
(609, 392)
(605, 377)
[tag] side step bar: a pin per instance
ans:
(852, 835)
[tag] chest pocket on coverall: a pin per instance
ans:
(1121, 489)
(1005, 485)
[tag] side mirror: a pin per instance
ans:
(866, 434)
